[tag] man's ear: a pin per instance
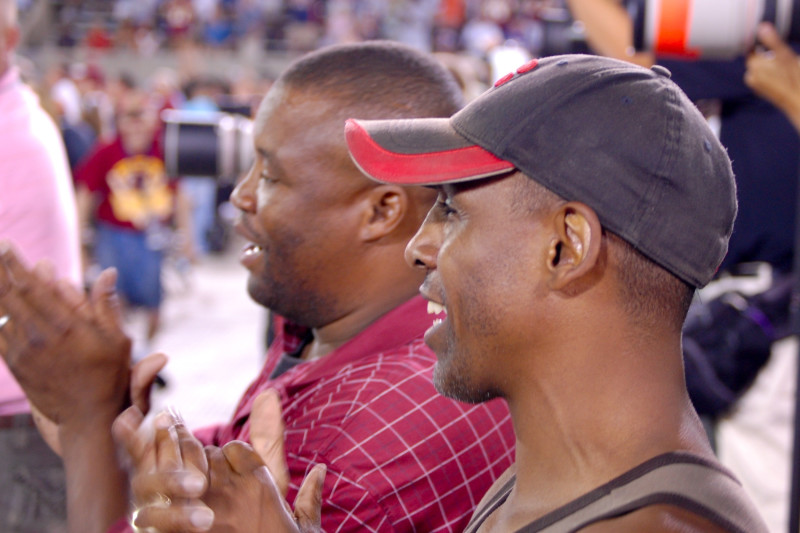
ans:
(576, 251)
(384, 209)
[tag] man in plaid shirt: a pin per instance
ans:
(349, 364)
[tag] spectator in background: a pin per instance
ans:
(202, 94)
(125, 194)
(410, 22)
(775, 74)
(37, 215)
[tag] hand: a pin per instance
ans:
(68, 353)
(245, 496)
(775, 73)
(169, 472)
(242, 494)
(143, 375)
(266, 436)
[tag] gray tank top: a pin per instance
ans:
(678, 478)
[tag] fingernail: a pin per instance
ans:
(201, 518)
(163, 420)
(193, 483)
(175, 414)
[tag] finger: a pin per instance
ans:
(73, 298)
(769, 37)
(168, 452)
(45, 272)
(178, 485)
(219, 470)
(242, 457)
(22, 323)
(143, 374)
(267, 435)
(127, 433)
(35, 287)
(192, 453)
(308, 504)
(190, 516)
(105, 300)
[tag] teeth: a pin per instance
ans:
(437, 321)
(435, 309)
(254, 249)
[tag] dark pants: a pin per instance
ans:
(32, 487)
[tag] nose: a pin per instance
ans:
(422, 250)
(243, 196)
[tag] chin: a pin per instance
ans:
(258, 293)
(456, 386)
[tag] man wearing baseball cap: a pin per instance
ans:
(581, 202)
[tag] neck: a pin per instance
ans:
(336, 333)
(606, 402)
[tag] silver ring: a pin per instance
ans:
(5, 319)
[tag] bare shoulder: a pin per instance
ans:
(657, 518)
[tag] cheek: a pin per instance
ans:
(488, 291)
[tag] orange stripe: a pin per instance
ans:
(673, 27)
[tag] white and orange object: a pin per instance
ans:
(707, 28)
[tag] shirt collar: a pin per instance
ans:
(398, 327)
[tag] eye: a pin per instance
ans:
(265, 176)
(444, 207)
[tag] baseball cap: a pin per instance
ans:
(623, 139)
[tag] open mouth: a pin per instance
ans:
(252, 249)
(435, 308)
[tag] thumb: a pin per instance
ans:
(308, 504)
(143, 374)
(266, 436)
(103, 296)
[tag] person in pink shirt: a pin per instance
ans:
(37, 215)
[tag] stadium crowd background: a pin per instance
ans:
(245, 41)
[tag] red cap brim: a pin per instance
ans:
(399, 151)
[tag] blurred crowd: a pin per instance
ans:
(302, 25)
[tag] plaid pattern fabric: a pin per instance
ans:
(400, 456)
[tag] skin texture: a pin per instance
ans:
(321, 227)
(556, 338)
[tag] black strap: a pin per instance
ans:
(680, 479)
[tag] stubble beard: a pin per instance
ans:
(452, 377)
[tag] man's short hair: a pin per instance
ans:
(648, 292)
(381, 78)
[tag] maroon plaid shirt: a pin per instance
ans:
(400, 456)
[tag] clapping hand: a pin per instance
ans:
(178, 486)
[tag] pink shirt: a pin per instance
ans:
(37, 200)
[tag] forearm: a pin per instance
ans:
(97, 485)
(609, 30)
